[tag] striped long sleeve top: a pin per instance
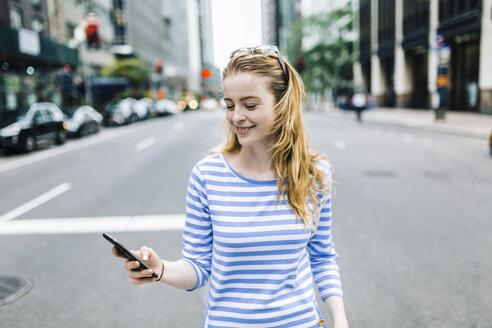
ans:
(259, 259)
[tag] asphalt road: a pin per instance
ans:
(412, 223)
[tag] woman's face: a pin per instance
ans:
(249, 108)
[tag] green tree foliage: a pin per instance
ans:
(134, 69)
(327, 64)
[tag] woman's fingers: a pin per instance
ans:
(146, 253)
(141, 281)
(131, 265)
(116, 252)
(140, 274)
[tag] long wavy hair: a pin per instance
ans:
(292, 159)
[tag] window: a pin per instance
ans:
(38, 117)
(36, 3)
(48, 116)
(15, 18)
(37, 24)
(70, 28)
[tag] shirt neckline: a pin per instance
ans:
(256, 181)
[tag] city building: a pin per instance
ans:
(156, 34)
(278, 19)
(269, 19)
(68, 23)
(30, 59)
(211, 85)
(426, 54)
(193, 51)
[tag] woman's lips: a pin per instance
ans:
(243, 130)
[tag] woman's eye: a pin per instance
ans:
(251, 106)
(230, 107)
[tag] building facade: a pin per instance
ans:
(278, 19)
(211, 85)
(426, 53)
(31, 60)
(270, 16)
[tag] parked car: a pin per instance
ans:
(121, 113)
(83, 120)
(42, 123)
(188, 101)
(164, 107)
(143, 108)
(209, 104)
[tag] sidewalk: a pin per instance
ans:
(468, 124)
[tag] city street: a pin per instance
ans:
(411, 221)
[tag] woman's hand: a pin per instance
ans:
(150, 258)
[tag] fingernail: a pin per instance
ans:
(145, 257)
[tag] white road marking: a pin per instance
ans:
(172, 222)
(144, 144)
(35, 202)
(339, 144)
(45, 154)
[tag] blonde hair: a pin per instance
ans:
(291, 157)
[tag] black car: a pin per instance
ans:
(82, 120)
(42, 123)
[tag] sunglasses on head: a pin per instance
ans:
(263, 50)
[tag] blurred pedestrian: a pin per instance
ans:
(360, 102)
(258, 210)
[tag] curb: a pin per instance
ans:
(434, 126)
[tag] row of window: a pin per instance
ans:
(448, 8)
(415, 16)
(37, 23)
(36, 3)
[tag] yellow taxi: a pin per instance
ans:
(188, 101)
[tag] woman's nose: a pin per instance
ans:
(238, 115)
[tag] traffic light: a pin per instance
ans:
(158, 66)
(92, 31)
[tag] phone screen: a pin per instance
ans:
(125, 252)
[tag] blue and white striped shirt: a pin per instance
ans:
(259, 259)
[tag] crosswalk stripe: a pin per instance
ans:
(35, 202)
(173, 222)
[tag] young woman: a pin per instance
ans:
(258, 211)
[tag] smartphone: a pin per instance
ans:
(126, 253)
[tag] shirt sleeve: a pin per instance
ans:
(322, 253)
(197, 234)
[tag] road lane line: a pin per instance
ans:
(35, 202)
(170, 222)
(48, 153)
(144, 144)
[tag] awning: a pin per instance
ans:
(108, 85)
(50, 52)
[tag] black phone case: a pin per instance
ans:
(128, 254)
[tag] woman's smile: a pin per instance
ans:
(242, 130)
